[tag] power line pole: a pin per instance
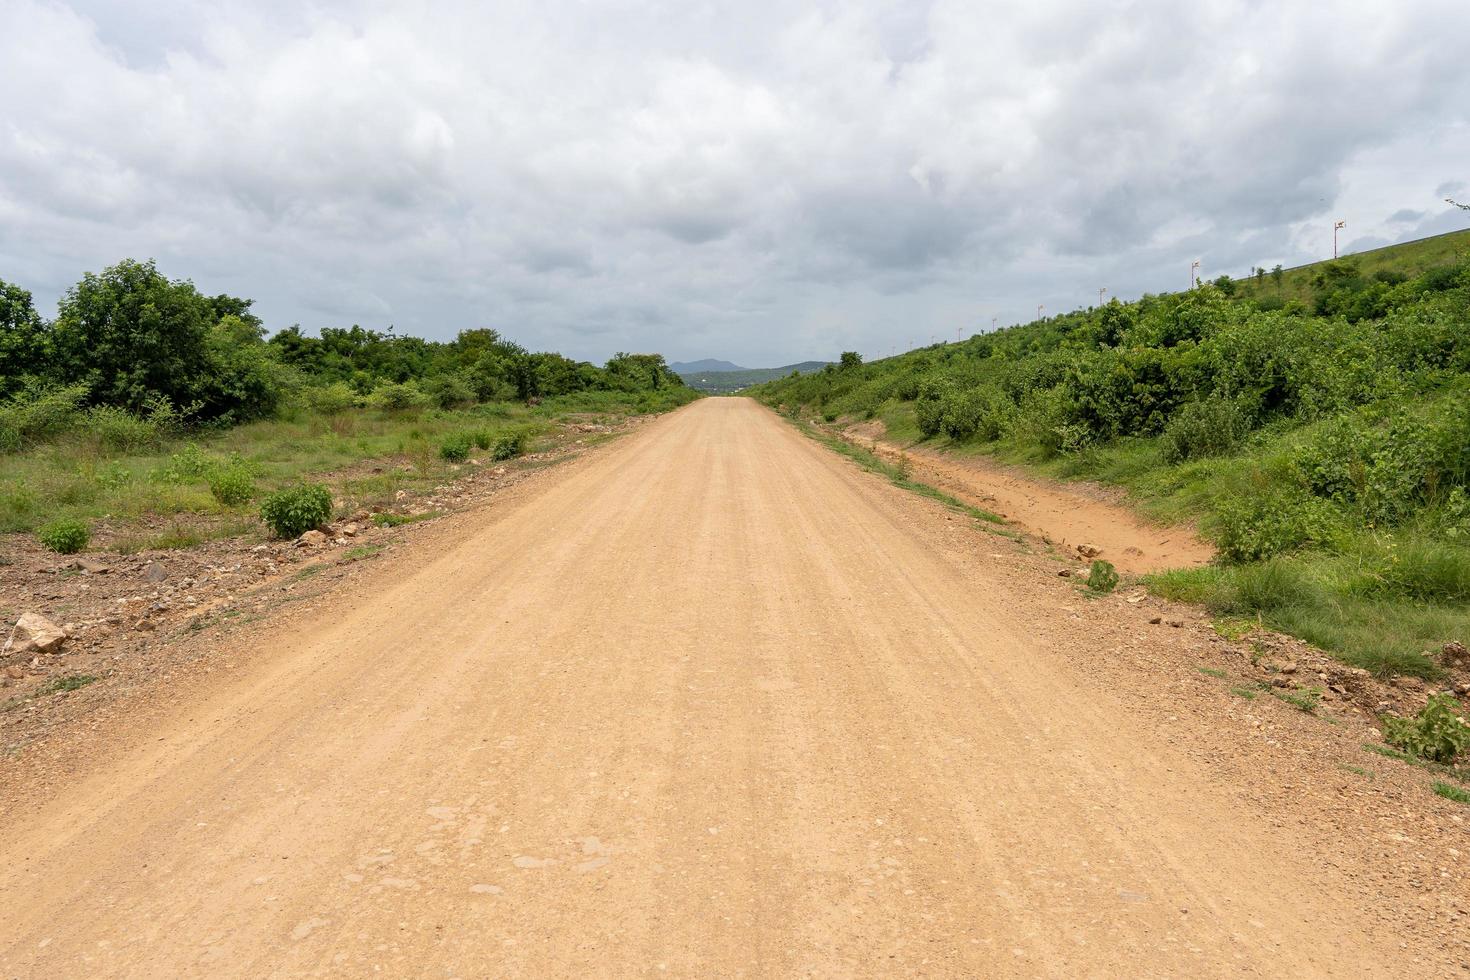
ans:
(1100, 292)
(1039, 308)
(1193, 268)
(1335, 226)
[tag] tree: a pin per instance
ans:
(851, 359)
(133, 335)
(1276, 273)
(24, 339)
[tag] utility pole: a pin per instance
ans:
(957, 334)
(1193, 268)
(1336, 225)
(1039, 308)
(1100, 292)
(992, 323)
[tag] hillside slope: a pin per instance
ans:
(1323, 443)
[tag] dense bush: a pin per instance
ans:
(1270, 521)
(1210, 427)
(65, 536)
(293, 511)
(509, 446)
(456, 448)
(39, 412)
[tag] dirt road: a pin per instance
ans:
(714, 702)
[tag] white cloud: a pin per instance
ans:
(748, 180)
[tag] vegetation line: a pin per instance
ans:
(1314, 424)
(898, 474)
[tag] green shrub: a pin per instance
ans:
(189, 464)
(232, 485)
(1211, 427)
(293, 511)
(397, 397)
(482, 439)
(38, 413)
(1268, 522)
(120, 430)
(456, 448)
(509, 446)
(65, 536)
(1436, 733)
(1103, 577)
(331, 399)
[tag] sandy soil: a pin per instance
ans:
(1066, 514)
(713, 701)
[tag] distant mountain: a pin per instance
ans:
(708, 364)
(726, 381)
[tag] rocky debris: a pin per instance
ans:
(1454, 654)
(1155, 620)
(33, 633)
(349, 530)
(1065, 573)
(311, 539)
(1088, 551)
(88, 566)
(154, 572)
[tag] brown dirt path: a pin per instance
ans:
(715, 702)
(1066, 514)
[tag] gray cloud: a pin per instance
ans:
(738, 180)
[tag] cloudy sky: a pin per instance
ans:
(759, 181)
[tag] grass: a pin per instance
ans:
(68, 682)
(899, 476)
(1241, 691)
(398, 520)
(1305, 699)
(1212, 672)
(1451, 792)
(362, 551)
(159, 496)
(1315, 597)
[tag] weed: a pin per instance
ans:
(1357, 770)
(1212, 672)
(1103, 577)
(65, 536)
(361, 551)
(1436, 733)
(1244, 692)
